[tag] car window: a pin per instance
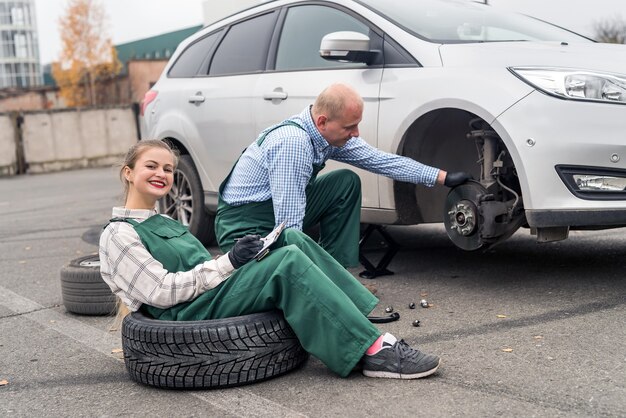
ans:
(303, 30)
(395, 55)
(244, 48)
(189, 62)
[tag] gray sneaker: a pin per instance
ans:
(399, 361)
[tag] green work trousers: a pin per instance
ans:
(323, 303)
(326, 307)
(333, 202)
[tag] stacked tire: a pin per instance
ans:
(83, 290)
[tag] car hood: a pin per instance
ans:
(589, 56)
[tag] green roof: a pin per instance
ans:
(155, 47)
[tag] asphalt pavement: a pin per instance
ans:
(523, 329)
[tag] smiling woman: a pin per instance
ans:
(160, 271)
(151, 176)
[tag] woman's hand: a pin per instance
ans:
(244, 250)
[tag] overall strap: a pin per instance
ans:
(285, 123)
(258, 142)
(127, 220)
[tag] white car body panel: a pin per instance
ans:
(300, 95)
(224, 96)
(593, 132)
(601, 57)
(435, 89)
(468, 78)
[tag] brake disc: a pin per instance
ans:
(461, 216)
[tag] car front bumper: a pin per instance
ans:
(576, 218)
(543, 133)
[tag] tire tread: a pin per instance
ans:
(209, 354)
(83, 290)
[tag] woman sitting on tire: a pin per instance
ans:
(155, 265)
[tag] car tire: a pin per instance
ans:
(83, 290)
(185, 202)
(211, 353)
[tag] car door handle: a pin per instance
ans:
(196, 98)
(275, 95)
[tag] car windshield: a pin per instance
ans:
(450, 21)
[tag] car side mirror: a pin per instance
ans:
(346, 46)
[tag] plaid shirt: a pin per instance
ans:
(136, 277)
(282, 166)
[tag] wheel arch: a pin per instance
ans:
(437, 137)
(177, 144)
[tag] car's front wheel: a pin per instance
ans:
(185, 202)
(482, 213)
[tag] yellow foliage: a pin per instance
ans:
(87, 56)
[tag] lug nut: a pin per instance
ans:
(416, 323)
(389, 309)
(412, 305)
(424, 303)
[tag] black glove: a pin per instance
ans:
(457, 178)
(244, 250)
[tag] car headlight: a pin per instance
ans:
(575, 84)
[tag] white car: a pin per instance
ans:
(536, 113)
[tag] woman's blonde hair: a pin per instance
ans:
(121, 311)
(135, 152)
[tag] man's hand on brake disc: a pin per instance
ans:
(456, 178)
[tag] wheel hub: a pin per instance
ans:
(90, 263)
(462, 217)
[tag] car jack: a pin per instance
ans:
(371, 271)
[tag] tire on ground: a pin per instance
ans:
(83, 290)
(209, 354)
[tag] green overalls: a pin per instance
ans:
(324, 305)
(333, 201)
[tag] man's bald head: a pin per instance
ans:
(335, 100)
(337, 112)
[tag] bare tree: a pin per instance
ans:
(611, 30)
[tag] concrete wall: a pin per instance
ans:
(8, 157)
(30, 99)
(58, 140)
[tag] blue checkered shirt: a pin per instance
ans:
(281, 167)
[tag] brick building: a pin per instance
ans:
(142, 63)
